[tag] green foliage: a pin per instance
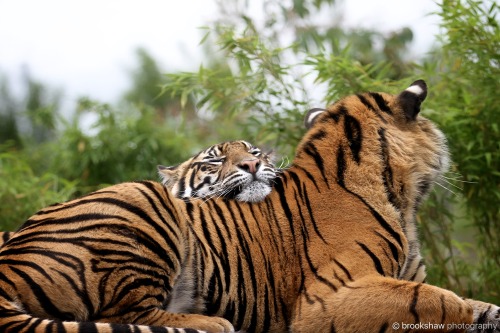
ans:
(23, 192)
(119, 145)
(266, 80)
(465, 73)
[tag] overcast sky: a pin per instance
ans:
(87, 47)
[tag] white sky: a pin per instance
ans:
(86, 47)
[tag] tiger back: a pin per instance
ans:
(332, 248)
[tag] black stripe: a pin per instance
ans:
(242, 299)
(29, 264)
(308, 175)
(381, 102)
(484, 316)
(6, 235)
(70, 204)
(86, 327)
(303, 195)
(383, 328)
(224, 257)
(222, 219)
(413, 305)
(161, 200)
(284, 204)
(335, 116)
(387, 175)
(376, 261)
(443, 309)
(157, 211)
(143, 215)
(352, 130)
(370, 107)
(241, 217)
(311, 217)
(159, 329)
(340, 167)
(215, 288)
(311, 150)
(392, 247)
(255, 219)
(313, 269)
(266, 321)
(42, 297)
(73, 218)
(378, 217)
(271, 216)
(342, 267)
(319, 135)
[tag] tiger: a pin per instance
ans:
(232, 170)
(332, 248)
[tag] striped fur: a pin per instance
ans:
(234, 170)
(330, 249)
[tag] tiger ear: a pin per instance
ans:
(311, 116)
(411, 99)
(168, 174)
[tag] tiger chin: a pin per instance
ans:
(332, 248)
(231, 170)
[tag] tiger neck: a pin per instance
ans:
(366, 174)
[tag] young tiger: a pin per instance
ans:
(233, 170)
(332, 248)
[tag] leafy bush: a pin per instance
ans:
(23, 191)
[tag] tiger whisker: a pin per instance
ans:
(450, 183)
(446, 188)
(456, 179)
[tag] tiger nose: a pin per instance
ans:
(250, 166)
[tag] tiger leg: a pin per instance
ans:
(379, 304)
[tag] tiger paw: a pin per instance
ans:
(209, 324)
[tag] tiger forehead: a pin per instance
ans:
(231, 146)
(237, 146)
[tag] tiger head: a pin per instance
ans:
(233, 170)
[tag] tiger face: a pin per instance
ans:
(234, 170)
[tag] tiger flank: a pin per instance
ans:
(332, 248)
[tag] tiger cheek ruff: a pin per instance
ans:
(333, 247)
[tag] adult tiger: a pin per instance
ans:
(233, 170)
(133, 254)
